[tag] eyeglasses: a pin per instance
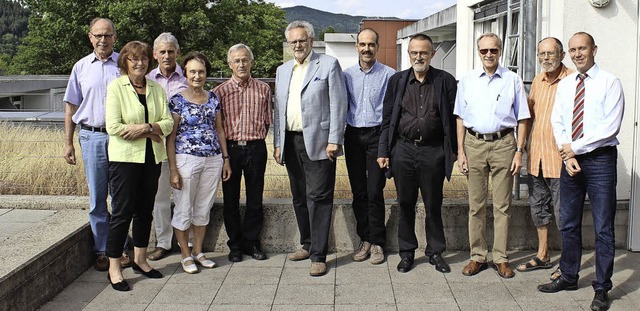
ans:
(422, 53)
(301, 42)
(547, 54)
(485, 51)
(103, 36)
(137, 60)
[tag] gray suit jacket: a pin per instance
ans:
(324, 106)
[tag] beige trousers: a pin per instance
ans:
(489, 158)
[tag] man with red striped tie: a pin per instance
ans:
(586, 118)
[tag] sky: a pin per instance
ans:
(386, 8)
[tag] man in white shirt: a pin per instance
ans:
(586, 118)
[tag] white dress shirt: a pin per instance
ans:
(603, 111)
(491, 104)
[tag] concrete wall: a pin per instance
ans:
(343, 47)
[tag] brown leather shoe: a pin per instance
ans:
(318, 269)
(504, 270)
(298, 255)
(158, 253)
(473, 268)
(125, 260)
(102, 263)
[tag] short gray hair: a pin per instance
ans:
(300, 24)
(168, 38)
(236, 47)
(489, 35)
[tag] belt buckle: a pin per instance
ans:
(242, 142)
(487, 137)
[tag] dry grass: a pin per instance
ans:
(32, 164)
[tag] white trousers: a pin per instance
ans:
(162, 209)
(200, 179)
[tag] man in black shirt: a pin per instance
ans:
(418, 143)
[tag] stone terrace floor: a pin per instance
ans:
(279, 284)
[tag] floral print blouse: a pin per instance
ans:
(196, 134)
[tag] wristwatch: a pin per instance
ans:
(518, 149)
(150, 127)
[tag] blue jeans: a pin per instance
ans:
(598, 180)
(96, 168)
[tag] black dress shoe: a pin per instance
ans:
(235, 256)
(121, 286)
(600, 301)
(255, 253)
(557, 285)
(405, 265)
(152, 274)
(439, 263)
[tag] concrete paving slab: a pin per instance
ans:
(273, 260)
(242, 294)
(303, 294)
(116, 305)
(428, 307)
(364, 294)
(186, 294)
(4, 211)
(300, 276)
(306, 308)
(427, 293)
(239, 308)
(63, 305)
(366, 307)
(28, 216)
(253, 275)
(177, 307)
(11, 228)
(139, 294)
(83, 292)
(348, 286)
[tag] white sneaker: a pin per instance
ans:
(189, 268)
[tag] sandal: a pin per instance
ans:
(556, 274)
(203, 261)
(189, 268)
(534, 264)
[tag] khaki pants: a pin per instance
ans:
(489, 158)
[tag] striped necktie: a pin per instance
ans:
(578, 109)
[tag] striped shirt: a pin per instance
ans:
(173, 85)
(542, 146)
(246, 108)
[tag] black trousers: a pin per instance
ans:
(367, 182)
(419, 167)
(312, 184)
(133, 192)
(249, 160)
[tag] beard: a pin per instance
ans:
(550, 66)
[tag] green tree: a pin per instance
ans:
(329, 29)
(58, 30)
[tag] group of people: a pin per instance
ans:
(146, 133)
(413, 124)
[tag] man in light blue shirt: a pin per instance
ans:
(85, 106)
(586, 119)
(490, 103)
(169, 75)
(366, 85)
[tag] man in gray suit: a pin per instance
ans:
(309, 118)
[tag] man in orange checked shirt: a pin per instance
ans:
(544, 162)
(246, 115)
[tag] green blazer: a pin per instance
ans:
(124, 108)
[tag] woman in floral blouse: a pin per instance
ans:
(198, 159)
